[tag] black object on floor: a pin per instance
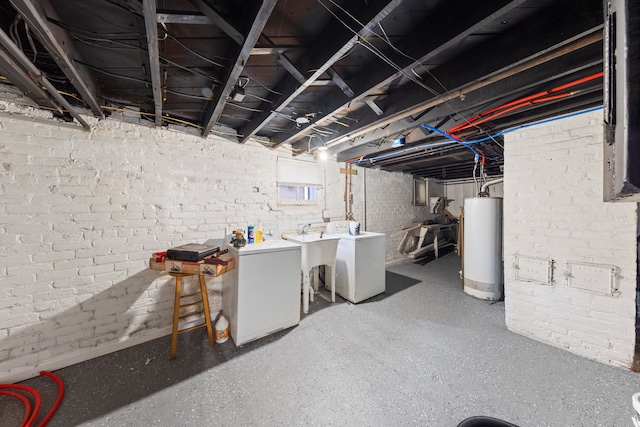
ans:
(484, 422)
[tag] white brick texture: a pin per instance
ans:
(553, 208)
(81, 213)
(386, 205)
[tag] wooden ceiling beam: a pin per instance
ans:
(60, 46)
(239, 60)
(410, 100)
(39, 76)
(21, 79)
(328, 48)
(219, 21)
(564, 70)
(429, 39)
(151, 27)
(167, 17)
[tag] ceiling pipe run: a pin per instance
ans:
(593, 36)
(490, 183)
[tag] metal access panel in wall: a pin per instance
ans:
(622, 101)
(534, 269)
(598, 278)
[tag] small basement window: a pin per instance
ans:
(419, 192)
(298, 181)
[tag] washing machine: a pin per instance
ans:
(360, 269)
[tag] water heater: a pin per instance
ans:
(482, 265)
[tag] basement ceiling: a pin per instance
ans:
(351, 76)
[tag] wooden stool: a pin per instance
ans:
(204, 300)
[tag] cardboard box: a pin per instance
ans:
(153, 265)
(217, 269)
(173, 266)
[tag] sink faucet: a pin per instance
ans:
(305, 228)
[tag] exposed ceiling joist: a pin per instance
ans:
(218, 20)
(428, 40)
(60, 47)
(21, 79)
(291, 69)
(151, 26)
(239, 60)
(274, 49)
(37, 75)
(411, 100)
(374, 107)
(340, 82)
(563, 70)
(327, 48)
(165, 17)
(361, 74)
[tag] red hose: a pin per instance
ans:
(30, 417)
(54, 408)
(36, 397)
(25, 402)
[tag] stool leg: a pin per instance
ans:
(205, 307)
(176, 318)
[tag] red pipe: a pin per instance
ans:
(25, 402)
(577, 82)
(486, 119)
(517, 107)
(517, 101)
(521, 102)
(468, 121)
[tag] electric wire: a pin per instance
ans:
(135, 79)
(31, 43)
(204, 58)
(266, 87)
(242, 107)
(253, 95)
(369, 46)
(112, 36)
(134, 47)
(388, 42)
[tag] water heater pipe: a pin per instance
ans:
(490, 183)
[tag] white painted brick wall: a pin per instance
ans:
(389, 198)
(553, 208)
(81, 212)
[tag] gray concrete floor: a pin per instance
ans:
(422, 354)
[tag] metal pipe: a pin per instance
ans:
(39, 76)
(364, 198)
(490, 183)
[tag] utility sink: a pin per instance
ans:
(308, 237)
(317, 249)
